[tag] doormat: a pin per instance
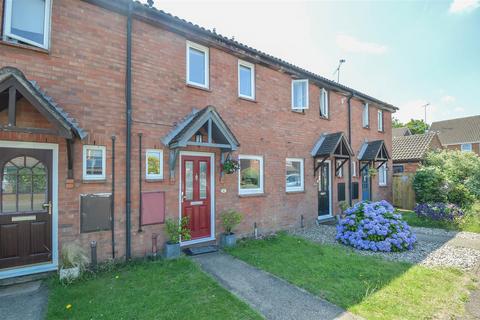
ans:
(200, 250)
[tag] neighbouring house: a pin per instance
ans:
(115, 115)
(409, 151)
(401, 132)
(459, 134)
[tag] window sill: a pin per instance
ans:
(300, 111)
(247, 99)
(383, 186)
(99, 181)
(198, 87)
(24, 46)
(294, 191)
(154, 180)
(252, 195)
(324, 118)
(367, 127)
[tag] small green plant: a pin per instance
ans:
(73, 256)
(230, 166)
(343, 205)
(230, 219)
(372, 171)
(176, 231)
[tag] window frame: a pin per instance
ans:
(206, 51)
(251, 66)
(366, 115)
(7, 25)
(154, 176)
(380, 120)
(466, 144)
(354, 168)
(324, 103)
(382, 177)
(307, 99)
(302, 175)
(259, 190)
(399, 166)
(88, 177)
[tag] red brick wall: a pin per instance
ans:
(475, 147)
(84, 73)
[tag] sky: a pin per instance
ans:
(407, 53)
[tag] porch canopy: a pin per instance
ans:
(373, 153)
(206, 121)
(331, 145)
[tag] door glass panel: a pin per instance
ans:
(203, 180)
(24, 189)
(188, 180)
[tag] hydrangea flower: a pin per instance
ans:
(439, 211)
(375, 226)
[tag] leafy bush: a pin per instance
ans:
(440, 211)
(430, 185)
(461, 195)
(375, 226)
(230, 219)
(175, 231)
(73, 256)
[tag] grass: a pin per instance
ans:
(368, 286)
(147, 290)
(470, 223)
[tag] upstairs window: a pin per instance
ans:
(197, 65)
(324, 103)
(380, 120)
(246, 80)
(299, 94)
(365, 117)
(382, 175)
(354, 168)
(27, 21)
(466, 147)
(94, 162)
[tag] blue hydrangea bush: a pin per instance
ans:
(439, 211)
(375, 226)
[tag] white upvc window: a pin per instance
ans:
(382, 175)
(380, 120)
(324, 103)
(250, 175)
(197, 65)
(246, 80)
(466, 147)
(28, 21)
(300, 94)
(365, 116)
(354, 168)
(294, 175)
(94, 162)
(154, 164)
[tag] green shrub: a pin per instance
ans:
(175, 231)
(460, 195)
(230, 219)
(430, 185)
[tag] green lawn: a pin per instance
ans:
(149, 290)
(370, 287)
(470, 223)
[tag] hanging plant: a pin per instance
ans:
(230, 166)
(372, 171)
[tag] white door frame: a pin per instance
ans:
(330, 193)
(212, 194)
(52, 265)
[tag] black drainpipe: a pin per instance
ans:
(112, 204)
(128, 160)
(350, 142)
(140, 182)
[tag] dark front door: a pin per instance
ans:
(25, 206)
(324, 190)
(196, 195)
(365, 184)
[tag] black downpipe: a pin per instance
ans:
(140, 182)
(128, 160)
(350, 188)
(112, 204)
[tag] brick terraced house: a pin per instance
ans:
(115, 115)
(459, 134)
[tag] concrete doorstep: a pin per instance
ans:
(271, 296)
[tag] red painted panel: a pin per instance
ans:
(153, 207)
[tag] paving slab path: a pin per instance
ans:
(23, 301)
(271, 296)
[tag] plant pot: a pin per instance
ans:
(228, 240)
(69, 274)
(171, 251)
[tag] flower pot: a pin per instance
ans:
(171, 251)
(69, 274)
(228, 240)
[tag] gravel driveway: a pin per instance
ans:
(434, 247)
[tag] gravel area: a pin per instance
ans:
(434, 247)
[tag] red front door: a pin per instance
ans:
(196, 195)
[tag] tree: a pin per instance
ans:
(396, 123)
(417, 126)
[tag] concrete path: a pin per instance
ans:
(272, 297)
(23, 301)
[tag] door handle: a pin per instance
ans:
(49, 206)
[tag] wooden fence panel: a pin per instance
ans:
(403, 194)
